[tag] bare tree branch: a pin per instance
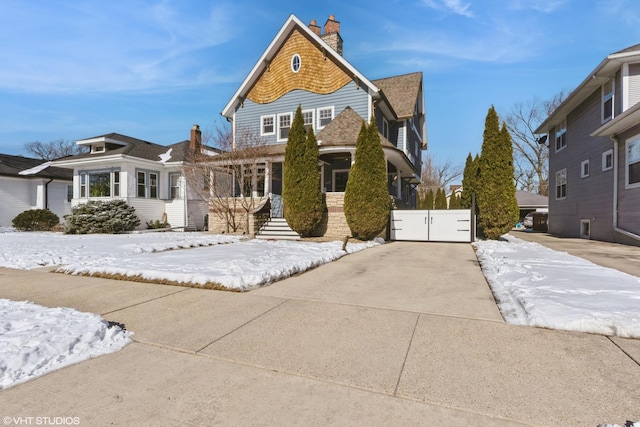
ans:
(437, 175)
(53, 150)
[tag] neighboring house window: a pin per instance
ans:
(83, 185)
(607, 100)
(385, 128)
(69, 193)
(174, 186)
(284, 124)
(607, 160)
(147, 184)
(116, 183)
(308, 118)
(268, 126)
(584, 169)
(561, 184)
(296, 62)
(633, 162)
(97, 148)
(325, 115)
(561, 135)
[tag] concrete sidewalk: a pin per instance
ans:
(400, 334)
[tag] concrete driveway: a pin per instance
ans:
(400, 334)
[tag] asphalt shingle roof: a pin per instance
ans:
(12, 165)
(402, 92)
(344, 130)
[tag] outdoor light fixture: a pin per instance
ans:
(542, 139)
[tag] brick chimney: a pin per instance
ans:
(315, 28)
(331, 34)
(196, 138)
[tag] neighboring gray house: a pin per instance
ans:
(594, 158)
(27, 183)
(147, 176)
(303, 65)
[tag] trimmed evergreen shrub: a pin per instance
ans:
(366, 198)
(498, 207)
(469, 181)
(301, 193)
(35, 220)
(97, 216)
(441, 199)
(156, 223)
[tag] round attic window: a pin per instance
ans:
(295, 63)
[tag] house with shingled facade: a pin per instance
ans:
(304, 66)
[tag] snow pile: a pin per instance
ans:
(34, 250)
(537, 286)
(241, 266)
(35, 340)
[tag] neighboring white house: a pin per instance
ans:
(148, 176)
(27, 183)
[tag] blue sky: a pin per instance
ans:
(151, 69)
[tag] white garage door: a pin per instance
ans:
(432, 226)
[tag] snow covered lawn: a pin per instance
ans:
(35, 340)
(537, 286)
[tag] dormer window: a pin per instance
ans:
(97, 148)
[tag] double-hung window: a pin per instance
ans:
(561, 184)
(561, 135)
(325, 115)
(307, 115)
(385, 128)
(174, 186)
(146, 184)
(267, 125)
(633, 162)
(607, 100)
(284, 125)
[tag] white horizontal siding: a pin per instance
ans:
(634, 84)
(16, 195)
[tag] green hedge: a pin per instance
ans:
(110, 217)
(35, 220)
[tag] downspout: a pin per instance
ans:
(614, 139)
(46, 194)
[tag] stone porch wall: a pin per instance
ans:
(334, 223)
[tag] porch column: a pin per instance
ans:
(267, 178)
(352, 153)
(399, 185)
(322, 189)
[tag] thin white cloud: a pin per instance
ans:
(454, 6)
(545, 6)
(109, 46)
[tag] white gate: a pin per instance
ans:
(455, 225)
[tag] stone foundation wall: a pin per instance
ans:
(335, 224)
(218, 225)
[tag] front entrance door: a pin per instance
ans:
(277, 210)
(340, 178)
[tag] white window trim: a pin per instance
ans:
(278, 125)
(583, 173)
(147, 184)
(98, 148)
(87, 184)
(604, 160)
(178, 185)
(603, 100)
(313, 116)
(273, 117)
(626, 163)
(562, 125)
(331, 108)
(584, 235)
(293, 58)
(385, 128)
(560, 172)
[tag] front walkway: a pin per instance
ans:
(400, 334)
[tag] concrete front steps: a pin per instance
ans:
(277, 229)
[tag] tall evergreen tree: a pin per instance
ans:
(454, 201)
(498, 208)
(441, 199)
(301, 194)
(430, 199)
(366, 198)
(469, 178)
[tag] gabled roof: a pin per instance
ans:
(605, 71)
(292, 23)
(13, 165)
(402, 92)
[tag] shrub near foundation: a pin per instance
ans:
(35, 220)
(96, 216)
